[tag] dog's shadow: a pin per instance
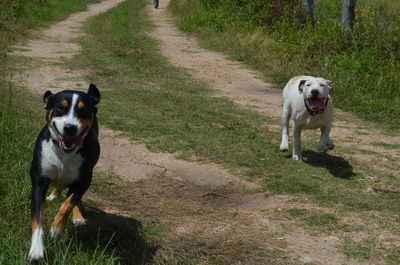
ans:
(115, 234)
(337, 166)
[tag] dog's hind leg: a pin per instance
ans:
(74, 196)
(284, 147)
(40, 185)
(60, 221)
(54, 194)
(77, 217)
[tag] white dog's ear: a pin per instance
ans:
(301, 85)
(331, 87)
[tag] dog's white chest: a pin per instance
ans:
(62, 168)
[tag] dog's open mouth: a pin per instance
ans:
(68, 143)
(316, 103)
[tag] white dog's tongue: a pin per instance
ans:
(317, 103)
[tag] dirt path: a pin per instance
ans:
(201, 205)
(246, 88)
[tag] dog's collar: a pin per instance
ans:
(315, 112)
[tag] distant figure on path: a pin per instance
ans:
(155, 2)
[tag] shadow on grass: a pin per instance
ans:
(337, 166)
(116, 234)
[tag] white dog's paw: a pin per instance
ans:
(297, 157)
(330, 144)
(284, 147)
(78, 222)
(326, 147)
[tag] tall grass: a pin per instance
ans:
(274, 36)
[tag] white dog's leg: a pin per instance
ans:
(285, 128)
(325, 143)
(297, 143)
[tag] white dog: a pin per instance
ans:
(307, 100)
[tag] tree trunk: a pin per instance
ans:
(348, 14)
(309, 10)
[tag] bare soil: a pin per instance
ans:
(202, 207)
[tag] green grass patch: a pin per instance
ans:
(273, 36)
(387, 146)
(359, 250)
(317, 221)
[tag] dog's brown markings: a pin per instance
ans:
(87, 124)
(81, 105)
(64, 103)
(49, 117)
(60, 221)
(76, 212)
(56, 192)
(36, 224)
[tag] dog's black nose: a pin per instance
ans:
(315, 92)
(70, 130)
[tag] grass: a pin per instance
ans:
(359, 250)
(363, 63)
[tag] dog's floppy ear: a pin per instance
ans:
(331, 87)
(47, 99)
(94, 94)
(301, 85)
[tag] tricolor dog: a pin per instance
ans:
(307, 101)
(67, 149)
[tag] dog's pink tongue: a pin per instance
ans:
(318, 103)
(77, 140)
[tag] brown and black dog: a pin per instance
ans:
(66, 150)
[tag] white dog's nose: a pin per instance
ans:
(315, 92)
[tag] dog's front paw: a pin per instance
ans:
(284, 147)
(78, 222)
(35, 255)
(297, 157)
(37, 249)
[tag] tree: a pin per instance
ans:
(309, 9)
(348, 14)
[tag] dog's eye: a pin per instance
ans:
(308, 84)
(60, 108)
